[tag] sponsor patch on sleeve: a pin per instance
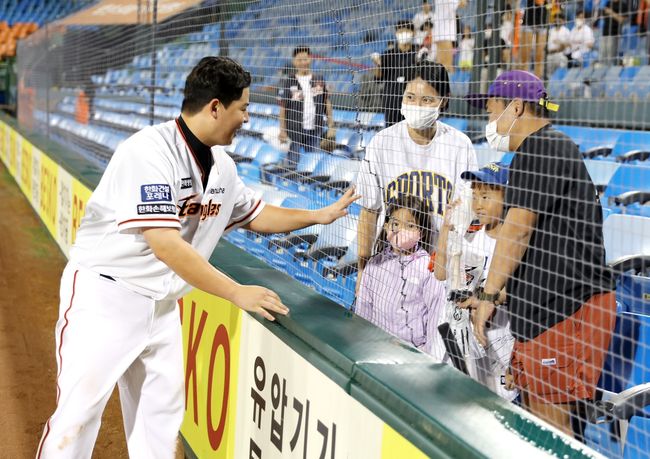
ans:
(186, 183)
(156, 209)
(155, 193)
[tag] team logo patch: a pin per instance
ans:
(156, 209)
(217, 190)
(186, 183)
(155, 193)
(549, 362)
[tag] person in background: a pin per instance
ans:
(305, 108)
(549, 255)
(395, 65)
(398, 293)
(466, 57)
(422, 16)
(445, 31)
(427, 49)
(613, 15)
(581, 40)
(421, 156)
(506, 33)
(489, 366)
(534, 29)
(559, 40)
(371, 87)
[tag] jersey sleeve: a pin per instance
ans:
(368, 185)
(249, 204)
(143, 188)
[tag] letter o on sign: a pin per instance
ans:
(220, 340)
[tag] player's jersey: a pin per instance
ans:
(490, 367)
(395, 165)
(155, 180)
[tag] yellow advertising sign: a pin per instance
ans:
(394, 445)
(80, 197)
(25, 181)
(49, 193)
(211, 339)
(13, 154)
(4, 151)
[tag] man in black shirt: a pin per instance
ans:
(305, 107)
(613, 15)
(396, 65)
(549, 256)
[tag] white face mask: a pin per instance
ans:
(580, 22)
(404, 37)
(420, 117)
(498, 141)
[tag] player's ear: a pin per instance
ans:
(215, 107)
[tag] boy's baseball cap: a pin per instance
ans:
(515, 84)
(492, 173)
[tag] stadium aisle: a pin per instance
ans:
(31, 264)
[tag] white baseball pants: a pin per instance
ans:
(105, 335)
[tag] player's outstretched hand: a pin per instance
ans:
(339, 209)
(261, 300)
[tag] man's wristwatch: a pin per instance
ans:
(482, 296)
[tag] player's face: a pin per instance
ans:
(487, 204)
(419, 92)
(302, 62)
(230, 119)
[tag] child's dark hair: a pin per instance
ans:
(422, 218)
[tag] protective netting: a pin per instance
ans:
(331, 84)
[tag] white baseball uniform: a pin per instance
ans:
(490, 368)
(119, 320)
(395, 165)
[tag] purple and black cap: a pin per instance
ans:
(515, 84)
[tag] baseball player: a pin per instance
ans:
(163, 203)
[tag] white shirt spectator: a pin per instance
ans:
(309, 107)
(444, 20)
(466, 53)
(420, 18)
(506, 32)
(582, 40)
(558, 39)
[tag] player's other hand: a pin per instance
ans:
(260, 300)
(339, 209)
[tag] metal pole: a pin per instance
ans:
(152, 92)
(47, 83)
(479, 47)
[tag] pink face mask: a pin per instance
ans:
(403, 240)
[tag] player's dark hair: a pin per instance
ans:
(436, 76)
(214, 78)
(301, 49)
(405, 24)
(422, 218)
(427, 24)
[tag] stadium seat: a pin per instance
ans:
(632, 145)
(630, 183)
(601, 172)
(627, 237)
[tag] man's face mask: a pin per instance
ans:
(404, 37)
(498, 141)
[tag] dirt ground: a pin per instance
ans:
(30, 268)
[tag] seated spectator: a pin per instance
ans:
(613, 16)
(423, 15)
(466, 49)
(425, 41)
(398, 293)
(371, 87)
(581, 40)
(558, 45)
(489, 366)
(305, 107)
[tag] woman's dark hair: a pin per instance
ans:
(405, 24)
(214, 78)
(422, 218)
(436, 76)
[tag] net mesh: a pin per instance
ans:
(424, 235)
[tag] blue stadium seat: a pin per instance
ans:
(601, 172)
(458, 123)
(632, 145)
(626, 237)
(627, 185)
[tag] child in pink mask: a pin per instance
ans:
(398, 292)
